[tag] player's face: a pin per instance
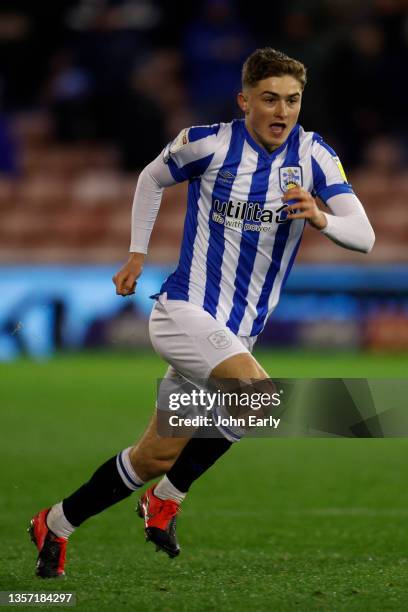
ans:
(271, 109)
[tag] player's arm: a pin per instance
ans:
(146, 203)
(348, 224)
(184, 158)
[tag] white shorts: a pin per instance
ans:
(193, 343)
(191, 340)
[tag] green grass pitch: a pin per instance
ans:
(284, 524)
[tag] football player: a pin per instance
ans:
(253, 185)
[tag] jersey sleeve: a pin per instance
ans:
(329, 178)
(349, 226)
(190, 153)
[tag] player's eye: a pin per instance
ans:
(269, 100)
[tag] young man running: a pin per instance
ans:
(252, 188)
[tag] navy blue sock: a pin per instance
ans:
(104, 489)
(198, 455)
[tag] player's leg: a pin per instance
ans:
(200, 453)
(117, 478)
(112, 482)
(153, 455)
(192, 352)
(160, 504)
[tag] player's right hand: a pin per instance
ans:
(125, 279)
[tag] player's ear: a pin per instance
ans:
(242, 102)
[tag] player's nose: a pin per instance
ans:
(281, 110)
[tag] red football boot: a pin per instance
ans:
(160, 521)
(51, 548)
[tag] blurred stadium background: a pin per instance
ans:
(91, 90)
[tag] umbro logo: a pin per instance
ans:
(226, 176)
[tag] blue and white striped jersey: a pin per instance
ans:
(238, 246)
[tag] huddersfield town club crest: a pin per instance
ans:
(290, 176)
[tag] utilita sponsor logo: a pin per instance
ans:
(246, 215)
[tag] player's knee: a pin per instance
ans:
(158, 467)
(162, 466)
(263, 396)
(241, 367)
(153, 462)
(255, 392)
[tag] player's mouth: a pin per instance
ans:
(277, 128)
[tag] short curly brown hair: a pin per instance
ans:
(268, 62)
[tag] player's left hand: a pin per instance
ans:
(305, 207)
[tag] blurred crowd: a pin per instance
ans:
(89, 88)
(136, 71)
(91, 91)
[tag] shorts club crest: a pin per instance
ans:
(220, 339)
